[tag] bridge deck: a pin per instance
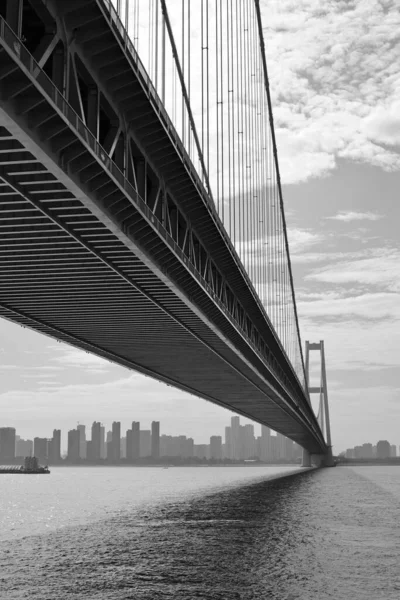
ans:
(83, 259)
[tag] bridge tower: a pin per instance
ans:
(323, 409)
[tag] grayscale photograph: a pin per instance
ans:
(199, 274)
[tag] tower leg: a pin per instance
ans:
(328, 458)
(306, 459)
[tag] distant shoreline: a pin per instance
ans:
(390, 462)
(168, 466)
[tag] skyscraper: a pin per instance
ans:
(109, 451)
(23, 448)
(216, 447)
(103, 447)
(135, 440)
(248, 445)
(7, 443)
(367, 451)
(129, 448)
(73, 445)
(155, 440)
(235, 437)
(95, 447)
(145, 443)
(187, 450)
(123, 448)
(383, 449)
(116, 441)
(54, 447)
(228, 442)
(265, 444)
(40, 450)
(82, 441)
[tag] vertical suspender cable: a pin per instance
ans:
(262, 46)
(184, 93)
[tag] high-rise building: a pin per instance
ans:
(41, 450)
(95, 446)
(115, 442)
(367, 451)
(103, 447)
(265, 444)
(155, 440)
(109, 451)
(235, 437)
(145, 443)
(248, 442)
(54, 447)
(7, 443)
(383, 449)
(135, 440)
(358, 451)
(216, 447)
(82, 441)
(123, 447)
(228, 442)
(129, 445)
(23, 448)
(187, 449)
(393, 451)
(73, 445)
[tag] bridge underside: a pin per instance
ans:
(97, 270)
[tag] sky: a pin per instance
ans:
(335, 83)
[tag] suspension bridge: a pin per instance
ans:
(141, 207)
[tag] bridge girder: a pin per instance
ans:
(111, 150)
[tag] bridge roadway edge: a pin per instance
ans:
(83, 197)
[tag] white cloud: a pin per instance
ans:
(73, 357)
(302, 239)
(366, 306)
(348, 216)
(335, 83)
(383, 124)
(352, 344)
(380, 268)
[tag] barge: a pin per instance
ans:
(30, 467)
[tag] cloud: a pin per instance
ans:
(380, 267)
(335, 83)
(73, 357)
(348, 216)
(302, 239)
(352, 344)
(364, 306)
(383, 124)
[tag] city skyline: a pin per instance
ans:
(237, 442)
(382, 449)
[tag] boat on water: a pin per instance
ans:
(30, 467)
